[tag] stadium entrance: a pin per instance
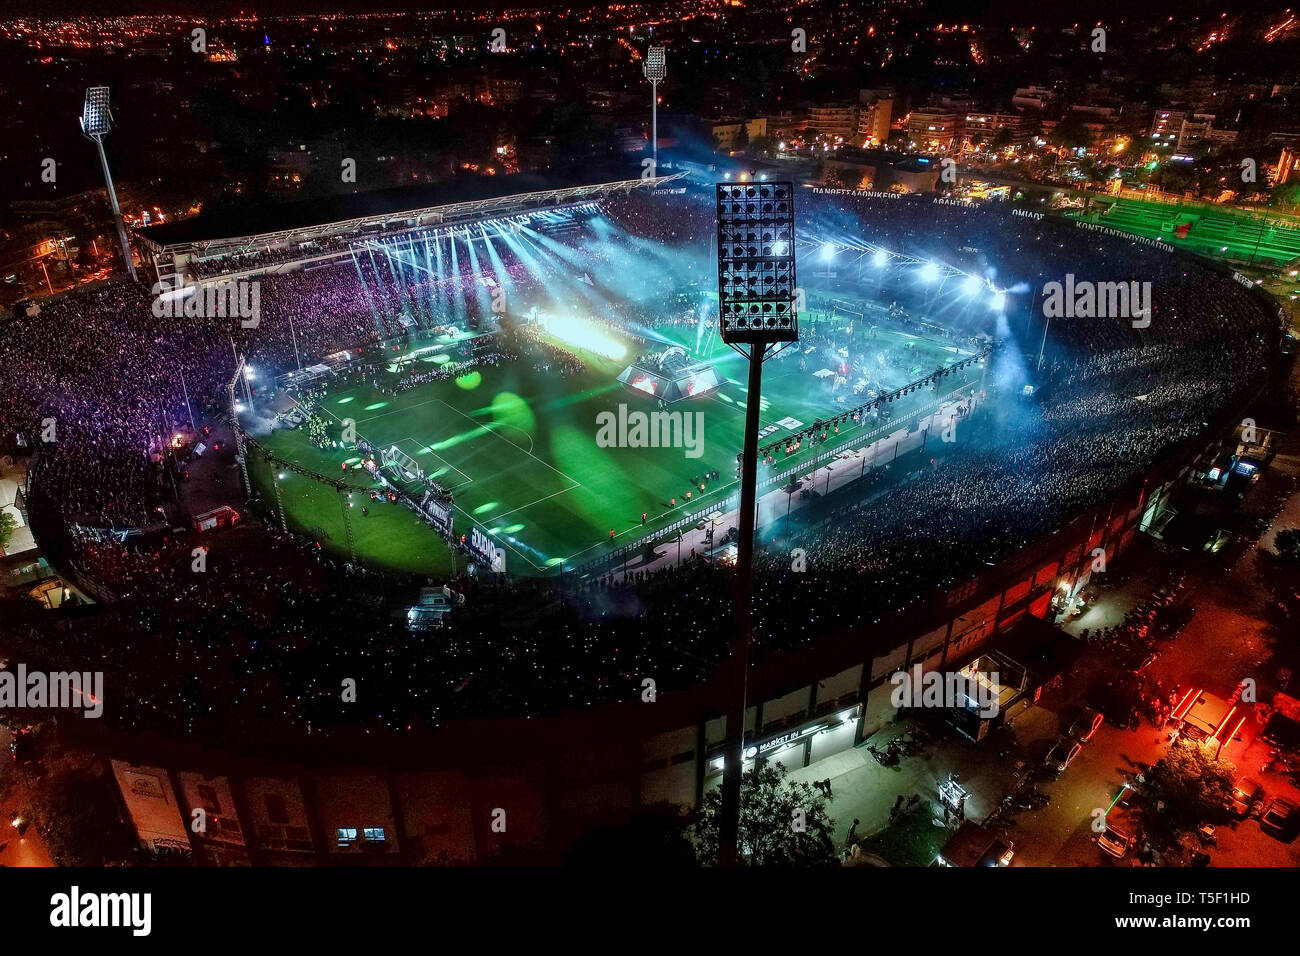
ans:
(795, 747)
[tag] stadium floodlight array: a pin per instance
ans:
(656, 64)
(96, 122)
(95, 117)
(756, 273)
(656, 68)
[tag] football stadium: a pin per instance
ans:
(512, 399)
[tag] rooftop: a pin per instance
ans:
(253, 220)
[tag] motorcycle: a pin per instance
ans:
(886, 758)
(1027, 798)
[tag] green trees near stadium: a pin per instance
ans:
(1072, 132)
(1286, 196)
(1192, 785)
(782, 823)
(1286, 544)
(7, 528)
(841, 178)
(75, 813)
(762, 146)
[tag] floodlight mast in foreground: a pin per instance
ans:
(96, 121)
(656, 68)
(756, 313)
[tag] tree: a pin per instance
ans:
(1287, 195)
(1131, 148)
(7, 528)
(761, 146)
(1071, 132)
(1092, 170)
(75, 813)
(1171, 178)
(782, 823)
(1286, 544)
(1193, 784)
(841, 178)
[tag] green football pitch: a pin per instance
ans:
(517, 447)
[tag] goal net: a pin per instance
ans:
(402, 464)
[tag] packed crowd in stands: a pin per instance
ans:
(263, 644)
(236, 262)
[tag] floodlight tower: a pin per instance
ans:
(656, 68)
(96, 121)
(757, 317)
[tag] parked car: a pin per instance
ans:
(1059, 757)
(1245, 794)
(1085, 725)
(1279, 819)
(1122, 826)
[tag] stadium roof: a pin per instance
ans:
(307, 214)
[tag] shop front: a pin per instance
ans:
(795, 747)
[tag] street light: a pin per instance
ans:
(656, 68)
(96, 121)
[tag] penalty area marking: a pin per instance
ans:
(574, 483)
(495, 434)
